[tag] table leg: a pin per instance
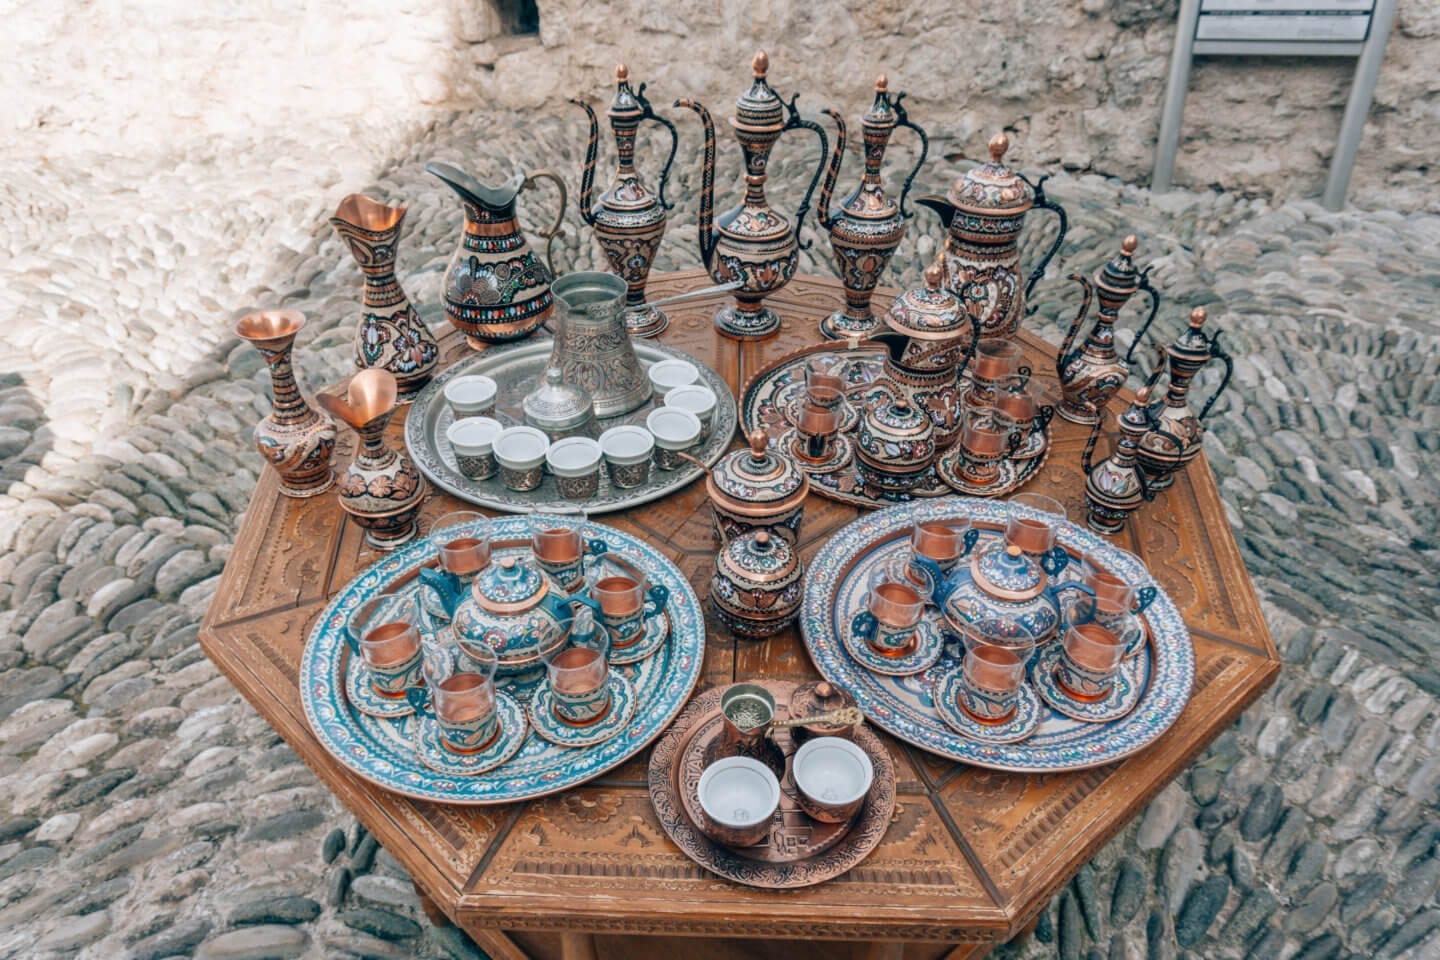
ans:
(578, 946)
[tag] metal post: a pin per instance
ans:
(1357, 108)
(1175, 91)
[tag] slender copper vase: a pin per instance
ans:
(390, 335)
(868, 226)
(296, 439)
(1115, 487)
(382, 489)
(1178, 432)
(754, 242)
(1091, 373)
(629, 221)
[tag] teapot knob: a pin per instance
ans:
(1128, 245)
(882, 83)
(1198, 316)
(934, 275)
(823, 690)
(998, 145)
(760, 64)
(622, 73)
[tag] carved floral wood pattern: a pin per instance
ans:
(970, 855)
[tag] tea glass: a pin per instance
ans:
(1036, 535)
(988, 437)
(995, 365)
(462, 540)
(462, 695)
(1090, 658)
(560, 549)
(822, 387)
(816, 427)
(991, 676)
(382, 631)
(832, 778)
(1031, 405)
(624, 604)
(1114, 594)
(579, 680)
(472, 440)
(936, 548)
(892, 613)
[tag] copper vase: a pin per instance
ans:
(867, 226)
(753, 243)
(390, 335)
(295, 439)
(629, 221)
(382, 489)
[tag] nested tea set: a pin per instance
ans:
(499, 659)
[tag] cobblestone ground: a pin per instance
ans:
(146, 811)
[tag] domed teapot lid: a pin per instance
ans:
(556, 406)
(1118, 277)
(882, 112)
(1007, 603)
(626, 105)
(992, 188)
(1193, 345)
(509, 586)
(1008, 573)
(758, 481)
(757, 557)
(930, 312)
(759, 108)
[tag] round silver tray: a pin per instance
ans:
(516, 369)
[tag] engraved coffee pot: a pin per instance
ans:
(752, 242)
(1092, 372)
(629, 221)
(1177, 432)
(984, 212)
(495, 289)
(867, 226)
(1116, 486)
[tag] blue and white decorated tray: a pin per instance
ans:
(902, 706)
(382, 751)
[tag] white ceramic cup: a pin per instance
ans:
(472, 396)
(739, 796)
(666, 375)
(575, 462)
(696, 398)
(833, 776)
(520, 451)
(627, 450)
(674, 431)
(472, 440)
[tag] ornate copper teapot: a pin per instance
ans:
(1091, 373)
(1116, 486)
(628, 219)
(1177, 431)
(867, 226)
(984, 212)
(752, 242)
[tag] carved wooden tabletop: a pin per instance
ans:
(970, 856)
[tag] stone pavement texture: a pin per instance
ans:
(147, 812)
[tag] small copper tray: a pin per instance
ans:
(800, 851)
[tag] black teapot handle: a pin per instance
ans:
(1154, 296)
(648, 113)
(793, 122)
(903, 120)
(1218, 352)
(1041, 200)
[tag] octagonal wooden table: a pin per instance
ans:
(971, 855)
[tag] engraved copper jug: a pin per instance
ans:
(753, 242)
(1092, 372)
(1116, 486)
(984, 212)
(1176, 435)
(495, 289)
(867, 226)
(629, 221)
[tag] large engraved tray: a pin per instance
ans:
(516, 369)
(799, 851)
(902, 706)
(769, 395)
(382, 751)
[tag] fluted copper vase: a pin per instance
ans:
(296, 439)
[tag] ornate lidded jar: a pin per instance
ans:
(984, 212)
(867, 226)
(1176, 435)
(512, 609)
(1006, 596)
(757, 488)
(629, 220)
(756, 587)
(559, 409)
(895, 443)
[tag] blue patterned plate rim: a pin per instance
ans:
(368, 757)
(1172, 672)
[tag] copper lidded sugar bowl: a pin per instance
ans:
(895, 443)
(755, 488)
(756, 587)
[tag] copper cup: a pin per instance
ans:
(996, 363)
(1035, 534)
(988, 437)
(816, 429)
(1089, 660)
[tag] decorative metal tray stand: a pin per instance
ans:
(770, 394)
(903, 706)
(800, 851)
(382, 750)
(516, 369)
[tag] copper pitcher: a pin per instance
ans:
(753, 242)
(1176, 435)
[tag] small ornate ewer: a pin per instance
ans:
(390, 334)
(1115, 487)
(984, 212)
(867, 226)
(296, 439)
(1176, 433)
(382, 489)
(1091, 373)
(753, 242)
(628, 219)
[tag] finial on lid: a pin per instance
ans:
(1142, 396)
(1128, 245)
(622, 73)
(761, 65)
(1198, 317)
(934, 274)
(998, 145)
(882, 83)
(823, 690)
(762, 538)
(1013, 550)
(758, 442)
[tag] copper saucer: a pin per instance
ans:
(800, 851)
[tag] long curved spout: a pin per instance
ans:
(707, 182)
(587, 172)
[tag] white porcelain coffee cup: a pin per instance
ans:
(520, 451)
(832, 776)
(666, 375)
(472, 440)
(575, 463)
(472, 396)
(674, 431)
(699, 400)
(739, 797)
(627, 450)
